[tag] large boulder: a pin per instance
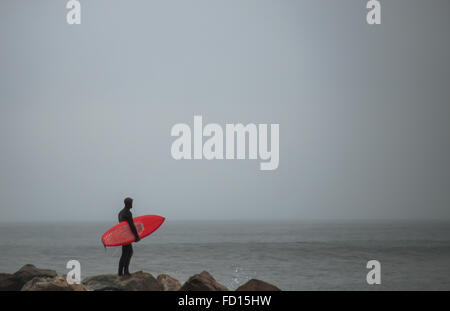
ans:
(15, 282)
(101, 282)
(168, 283)
(8, 282)
(29, 272)
(139, 281)
(257, 285)
(202, 282)
(58, 283)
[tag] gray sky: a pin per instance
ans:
(86, 111)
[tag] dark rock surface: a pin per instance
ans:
(257, 285)
(58, 283)
(14, 282)
(168, 283)
(8, 282)
(31, 278)
(139, 281)
(202, 282)
(29, 272)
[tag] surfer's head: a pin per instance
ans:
(128, 202)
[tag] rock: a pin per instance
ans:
(202, 282)
(139, 281)
(8, 282)
(58, 283)
(30, 278)
(15, 282)
(29, 272)
(168, 283)
(101, 282)
(257, 285)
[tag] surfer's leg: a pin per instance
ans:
(123, 259)
(128, 259)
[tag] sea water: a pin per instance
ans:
(291, 255)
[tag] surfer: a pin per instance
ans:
(127, 250)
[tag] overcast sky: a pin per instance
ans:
(86, 110)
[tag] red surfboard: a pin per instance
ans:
(121, 234)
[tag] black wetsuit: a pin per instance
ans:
(127, 250)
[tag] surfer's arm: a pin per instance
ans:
(130, 221)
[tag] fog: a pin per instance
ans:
(86, 110)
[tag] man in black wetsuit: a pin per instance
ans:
(127, 250)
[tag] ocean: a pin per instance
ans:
(291, 255)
